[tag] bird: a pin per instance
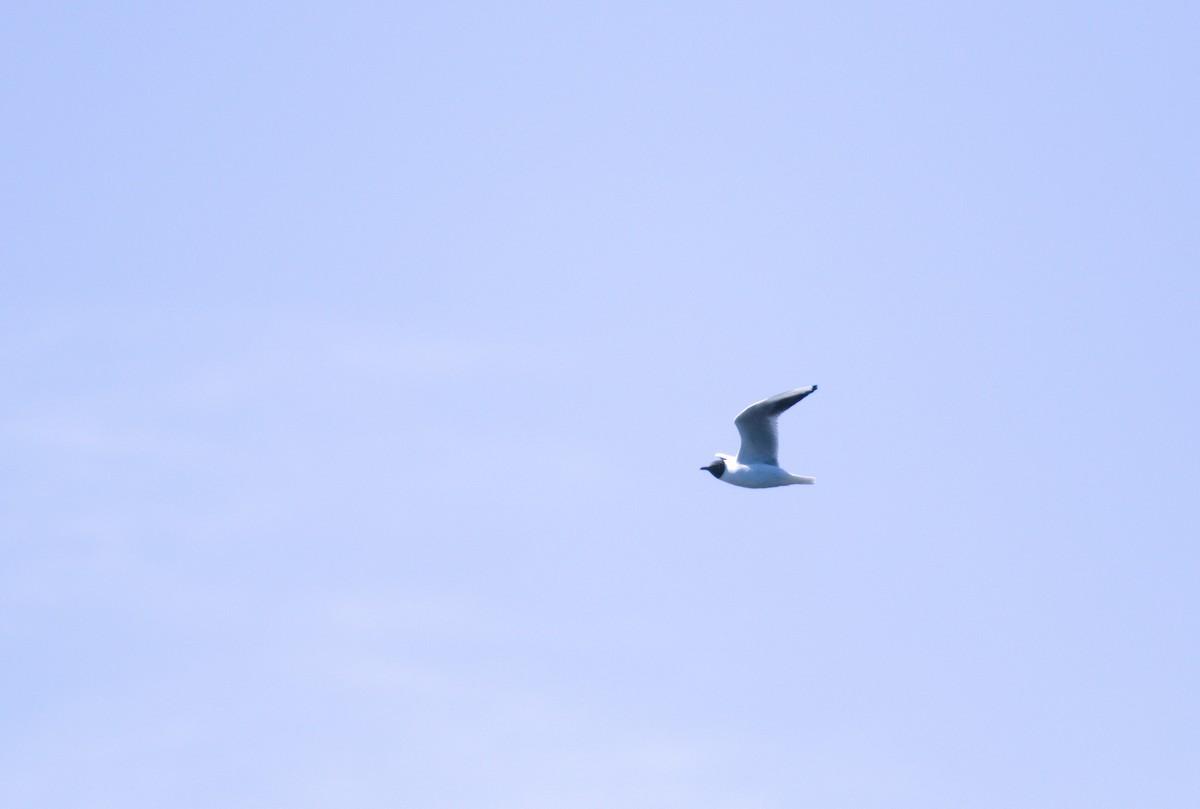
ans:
(756, 465)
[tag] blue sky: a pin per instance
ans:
(292, 291)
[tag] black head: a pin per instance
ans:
(717, 467)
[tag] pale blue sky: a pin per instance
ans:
(291, 291)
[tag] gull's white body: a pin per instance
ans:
(759, 475)
(756, 465)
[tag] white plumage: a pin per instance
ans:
(756, 465)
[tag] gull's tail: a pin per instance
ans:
(802, 479)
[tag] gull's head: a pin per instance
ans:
(717, 467)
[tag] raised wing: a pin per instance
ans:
(757, 425)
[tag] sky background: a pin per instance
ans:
(359, 361)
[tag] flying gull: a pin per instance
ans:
(756, 465)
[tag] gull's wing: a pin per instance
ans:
(757, 426)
